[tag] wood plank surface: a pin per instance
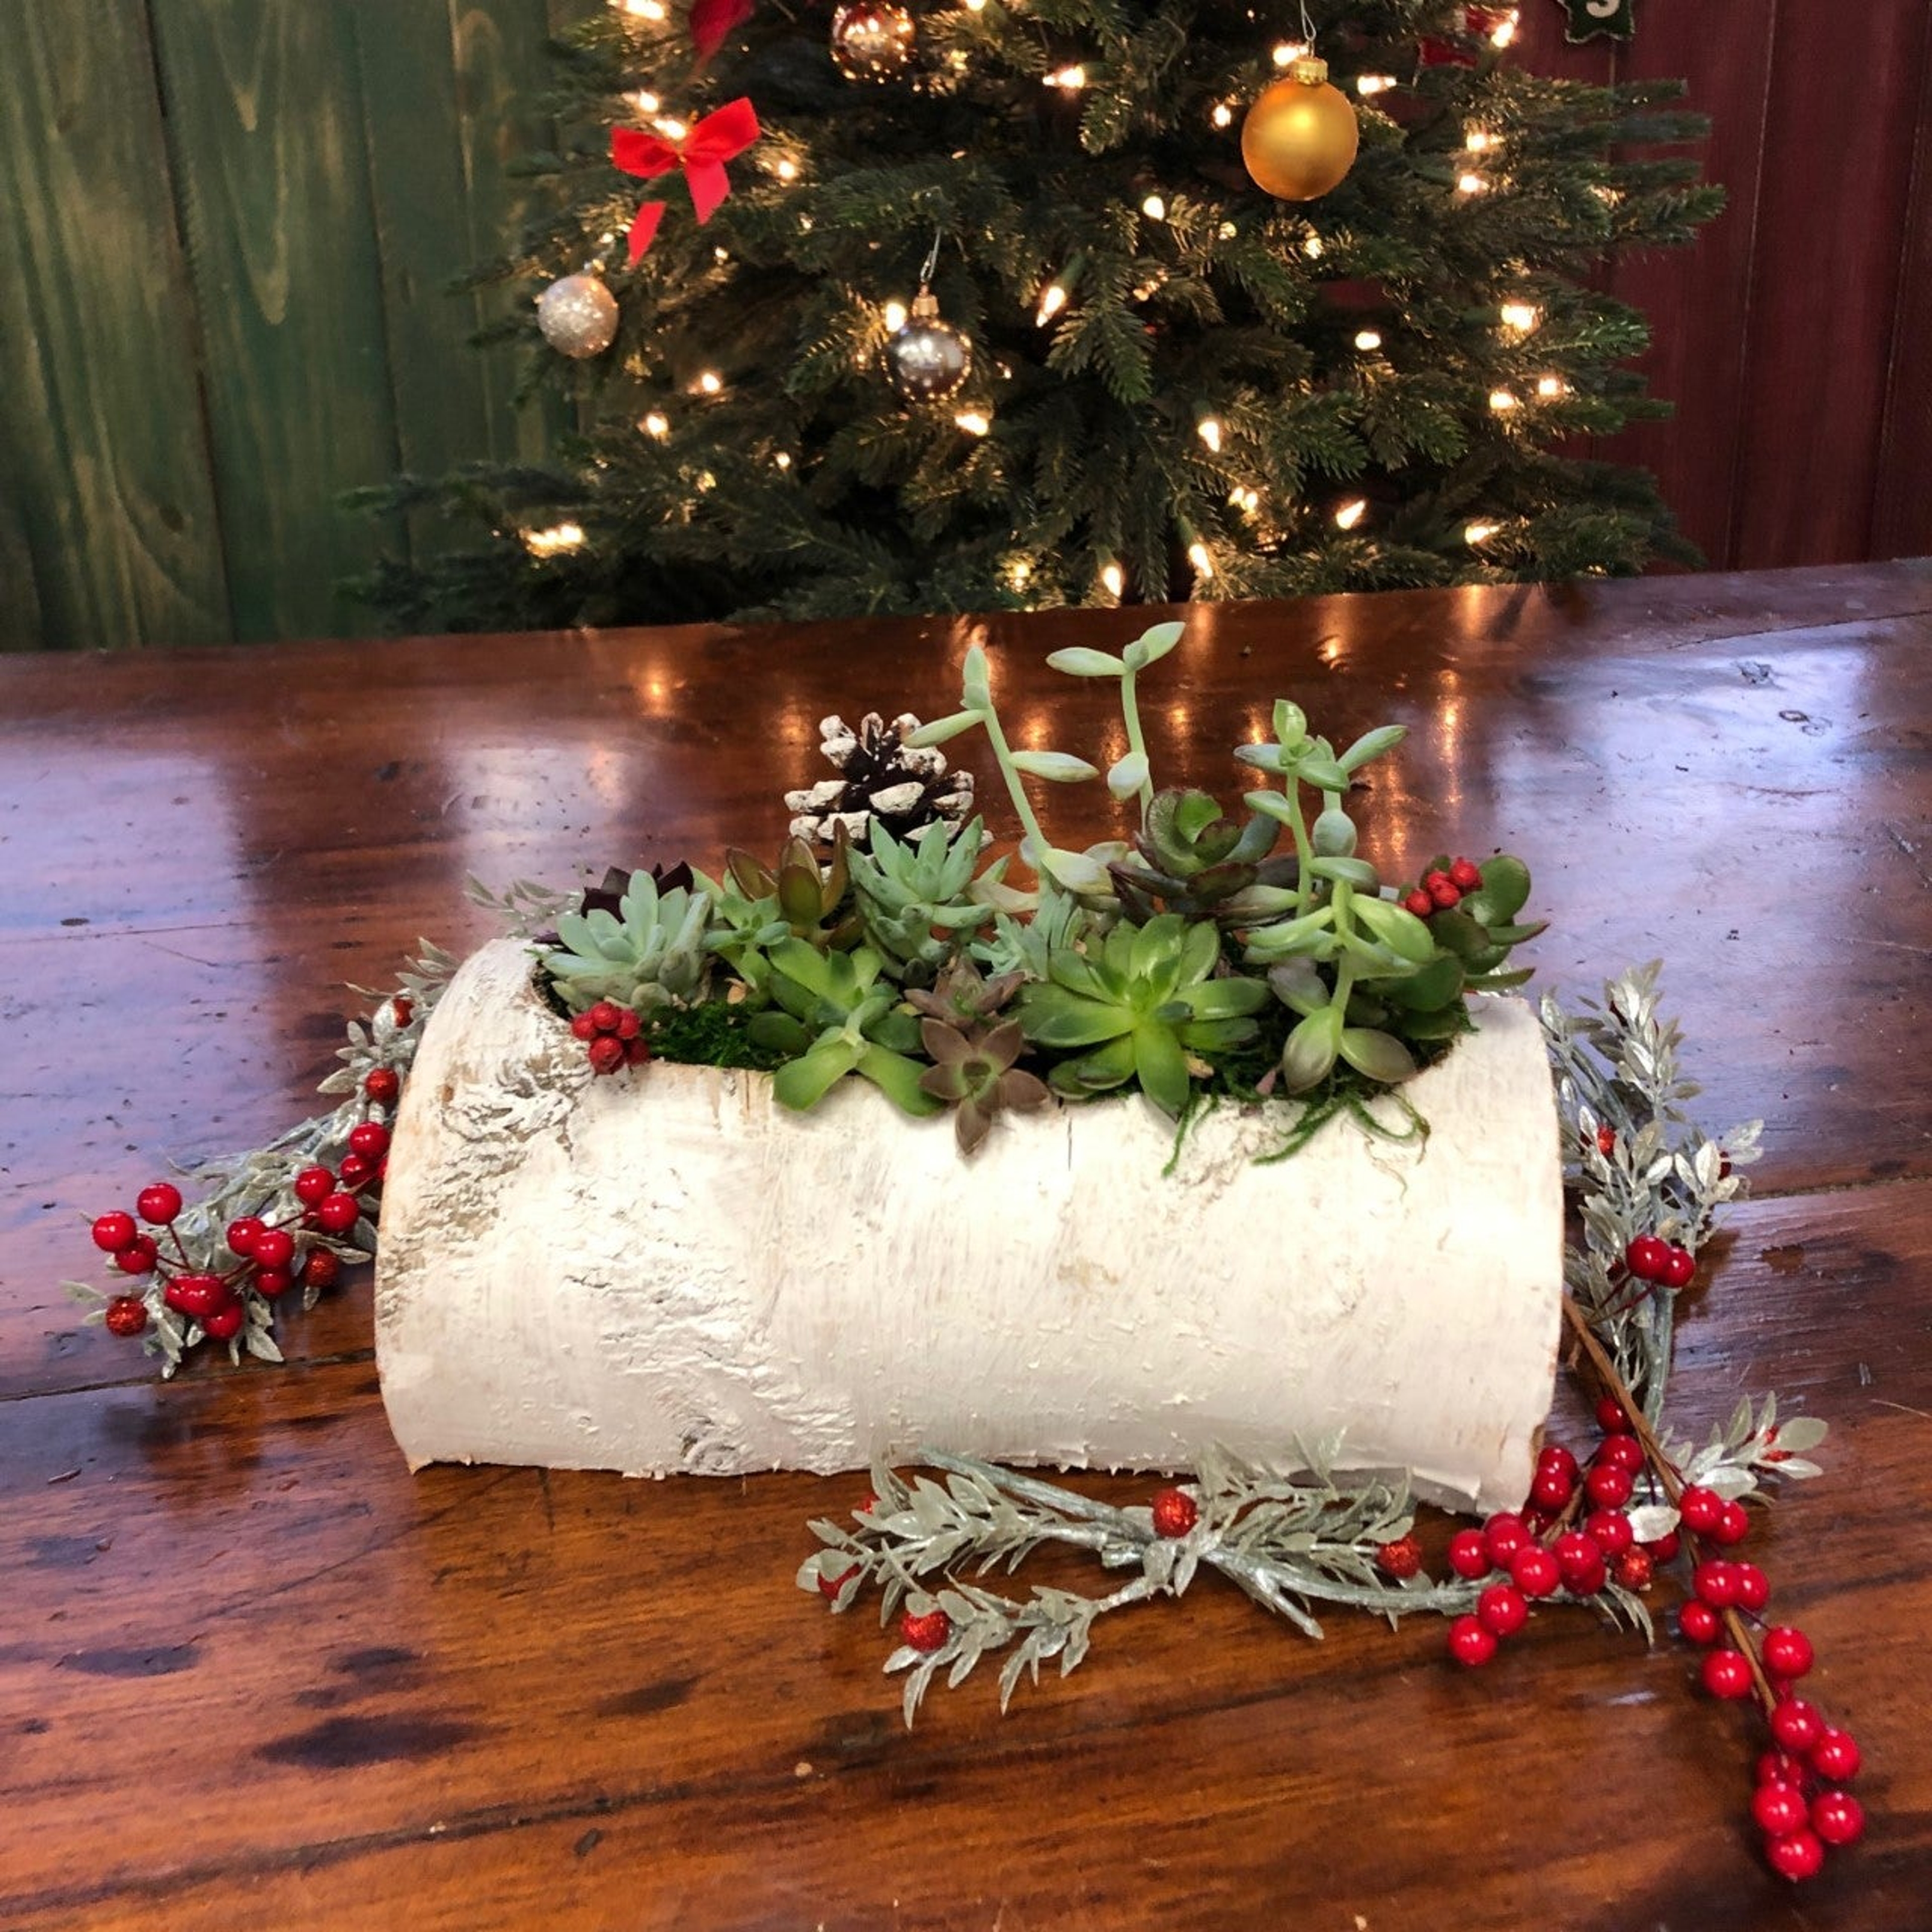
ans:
(1698, 301)
(266, 129)
(253, 1670)
(1826, 286)
(1902, 505)
(110, 528)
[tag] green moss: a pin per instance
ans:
(713, 1034)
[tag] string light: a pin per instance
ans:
(1311, 248)
(1367, 84)
(786, 169)
(1351, 513)
(720, 255)
(1476, 533)
(1197, 555)
(547, 543)
(1223, 115)
(1209, 431)
(1549, 386)
(1247, 500)
(1287, 52)
(1504, 30)
(783, 459)
(671, 127)
(656, 424)
(1471, 184)
(705, 480)
(1017, 575)
(1070, 78)
(1052, 300)
(1115, 578)
(1477, 141)
(1521, 316)
(973, 422)
(710, 382)
(895, 317)
(646, 102)
(1368, 339)
(1502, 401)
(1154, 209)
(976, 6)
(640, 10)
(1227, 231)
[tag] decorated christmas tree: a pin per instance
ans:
(1027, 302)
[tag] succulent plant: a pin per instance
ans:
(836, 1014)
(912, 896)
(1144, 1000)
(649, 953)
(973, 1073)
(1196, 861)
(758, 905)
(963, 996)
(1059, 921)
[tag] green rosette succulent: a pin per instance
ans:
(648, 954)
(1144, 1000)
(835, 1014)
(912, 894)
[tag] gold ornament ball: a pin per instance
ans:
(1299, 139)
(871, 40)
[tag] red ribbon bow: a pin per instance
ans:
(719, 137)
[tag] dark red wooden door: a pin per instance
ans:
(1795, 338)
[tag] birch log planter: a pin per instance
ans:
(665, 1271)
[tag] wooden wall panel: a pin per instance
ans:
(1698, 300)
(110, 536)
(1846, 89)
(266, 125)
(448, 100)
(1902, 500)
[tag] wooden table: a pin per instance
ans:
(253, 1671)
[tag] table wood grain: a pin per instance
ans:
(253, 1671)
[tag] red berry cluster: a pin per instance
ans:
(269, 1259)
(612, 1035)
(1546, 1547)
(1440, 891)
(1799, 1805)
(1663, 1263)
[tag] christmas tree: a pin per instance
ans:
(1026, 302)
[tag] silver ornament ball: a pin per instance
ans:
(929, 358)
(578, 315)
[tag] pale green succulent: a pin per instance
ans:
(1143, 1000)
(649, 953)
(835, 1014)
(1059, 921)
(912, 894)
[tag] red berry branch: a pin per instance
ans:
(1800, 1804)
(292, 1214)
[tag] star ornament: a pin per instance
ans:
(1613, 19)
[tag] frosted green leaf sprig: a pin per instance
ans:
(1288, 1543)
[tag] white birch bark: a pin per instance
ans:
(664, 1271)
